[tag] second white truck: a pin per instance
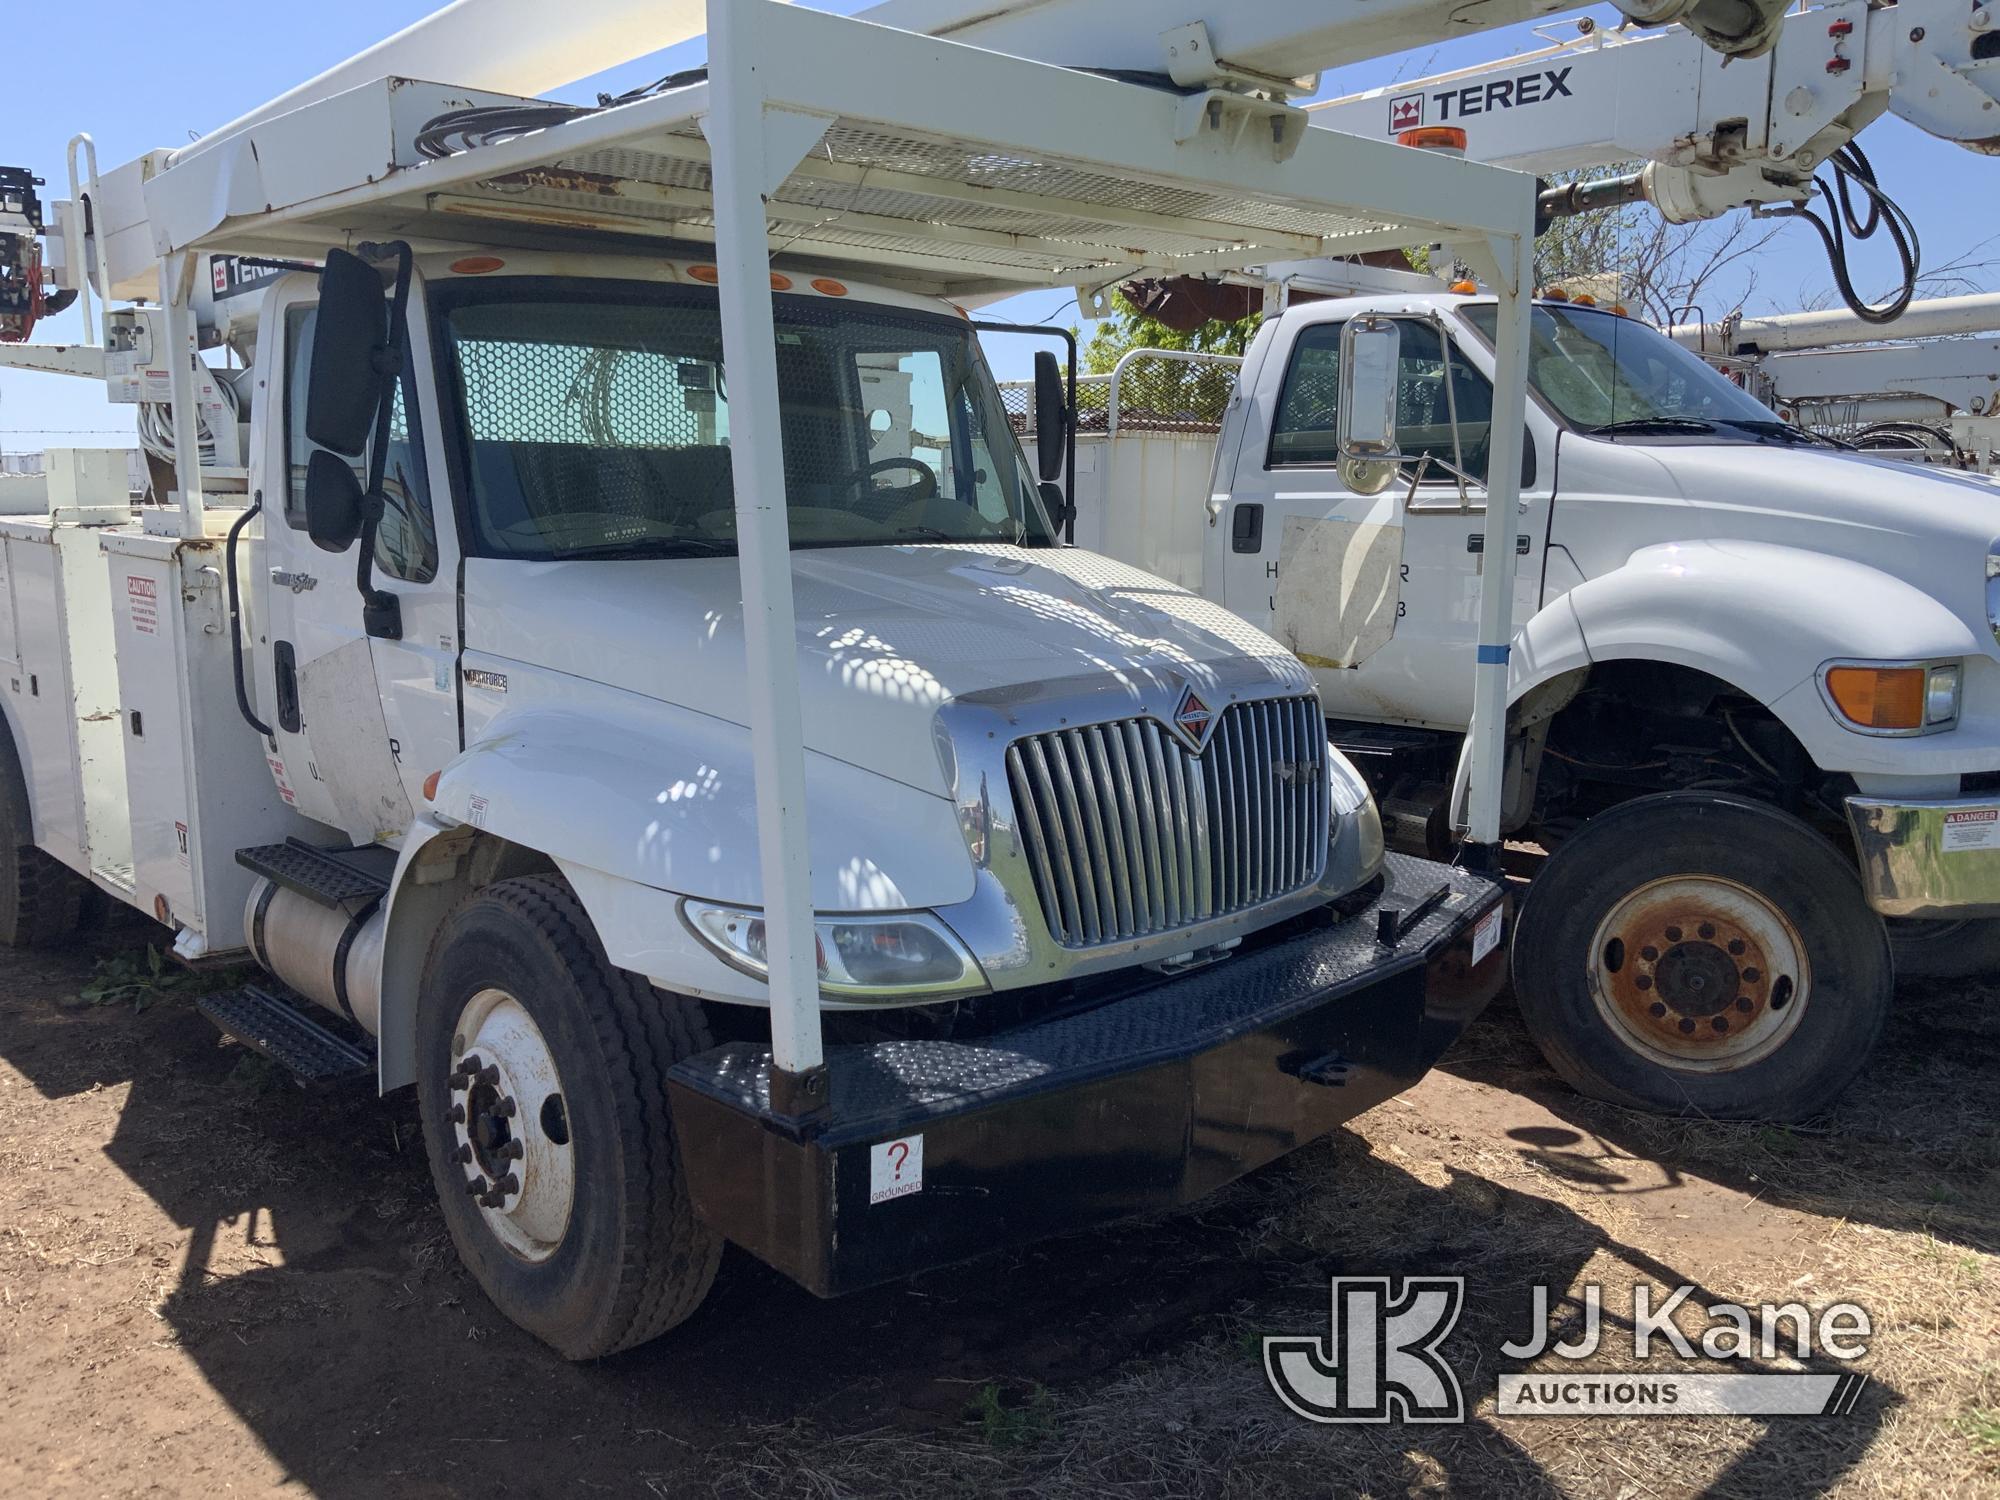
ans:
(1755, 679)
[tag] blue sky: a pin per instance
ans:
(168, 71)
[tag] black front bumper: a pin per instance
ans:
(1144, 1102)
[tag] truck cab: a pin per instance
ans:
(1723, 624)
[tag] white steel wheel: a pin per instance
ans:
(541, 1080)
(511, 1124)
(1699, 973)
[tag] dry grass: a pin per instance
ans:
(207, 1286)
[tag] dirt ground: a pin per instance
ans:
(211, 1283)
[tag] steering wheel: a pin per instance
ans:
(927, 479)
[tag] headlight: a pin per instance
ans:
(1894, 698)
(903, 954)
(1352, 803)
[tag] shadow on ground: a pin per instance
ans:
(316, 1293)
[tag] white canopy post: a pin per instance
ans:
(176, 298)
(735, 128)
(1511, 269)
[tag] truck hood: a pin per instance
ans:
(887, 636)
(1928, 527)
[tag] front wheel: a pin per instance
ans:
(1702, 954)
(541, 1077)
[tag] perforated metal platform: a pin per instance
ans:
(942, 168)
(279, 1030)
(351, 878)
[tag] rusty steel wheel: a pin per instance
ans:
(1697, 953)
(1700, 973)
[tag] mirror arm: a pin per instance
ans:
(1451, 412)
(381, 611)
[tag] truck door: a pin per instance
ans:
(359, 721)
(1379, 593)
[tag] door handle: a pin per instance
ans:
(285, 679)
(1246, 528)
(298, 583)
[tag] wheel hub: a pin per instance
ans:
(511, 1126)
(1700, 973)
(1697, 979)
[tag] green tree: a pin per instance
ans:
(1128, 328)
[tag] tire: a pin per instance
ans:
(623, 1258)
(1692, 953)
(41, 898)
(1946, 950)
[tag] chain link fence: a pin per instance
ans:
(1151, 390)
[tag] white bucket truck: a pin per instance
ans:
(628, 678)
(1754, 690)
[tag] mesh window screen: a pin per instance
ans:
(406, 539)
(1304, 432)
(597, 423)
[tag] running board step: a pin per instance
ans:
(265, 1023)
(351, 879)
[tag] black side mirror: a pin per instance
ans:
(350, 357)
(334, 501)
(1056, 502)
(1051, 418)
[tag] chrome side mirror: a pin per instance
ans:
(1370, 364)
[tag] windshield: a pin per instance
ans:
(595, 421)
(1600, 370)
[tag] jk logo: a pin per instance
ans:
(1379, 1361)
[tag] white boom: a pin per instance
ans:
(1931, 318)
(1269, 45)
(1714, 138)
(1928, 384)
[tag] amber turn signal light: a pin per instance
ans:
(1878, 697)
(431, 787)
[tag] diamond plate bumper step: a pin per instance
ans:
(267, 1023)
(933, 1151)
(351, 879)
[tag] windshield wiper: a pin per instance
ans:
(655, 546)
(1652, 424)
(1784, 432)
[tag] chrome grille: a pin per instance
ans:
(1128, 833)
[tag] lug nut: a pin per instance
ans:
(488, 1075)
(513, 1151)
(506, 1108)
(458, 1114)
(476, 1186)
(508, 1184)
(464, 1155)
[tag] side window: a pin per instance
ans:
(1303, 434)
(406, 539)
(1424, 410)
